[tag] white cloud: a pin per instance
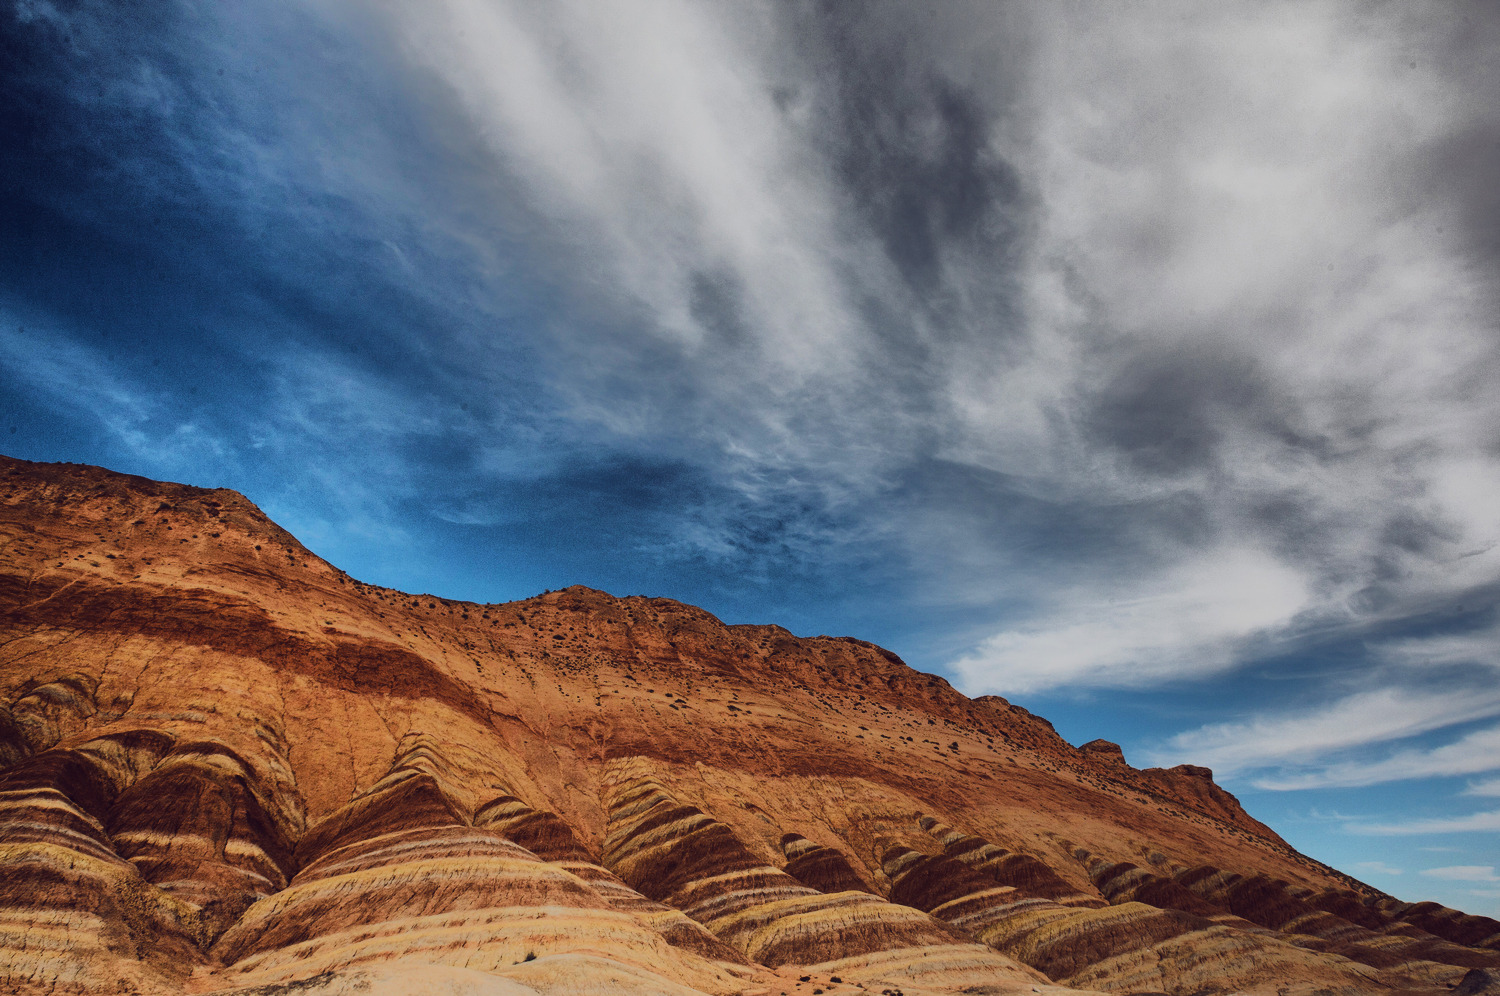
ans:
(652, 132)
(1488, 787)
(1472, 823)
(1190, 621)
(1230, 190)
(82, 378)
(1237, 184)
(1475, 647)
(1305, 737)
(1476, 752)
(1464, 873)
(49, 359)
(1377, 868)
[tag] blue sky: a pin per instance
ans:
(1141, 364)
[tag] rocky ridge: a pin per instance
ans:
(228, 767)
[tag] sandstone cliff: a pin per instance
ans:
(226, 766)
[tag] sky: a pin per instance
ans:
(1139, 363)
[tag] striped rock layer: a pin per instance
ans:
(1308, 920)
(1129, 945)
(228, 767)
(686, 858)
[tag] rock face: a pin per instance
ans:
(227, 767)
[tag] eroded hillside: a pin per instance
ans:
(228, 766)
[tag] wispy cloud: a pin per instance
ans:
(1464, 873)
(1378, 868)
(1472, 823)
(1198, 346)
(1478, 646)
(658, 135)
(1308, 737)
(83, 379)
(815, 255)
(1194, 621)
(1475, 752)
(1489, 787)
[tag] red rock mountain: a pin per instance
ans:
(228, 767)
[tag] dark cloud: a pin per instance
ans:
(714, 300)
(914, 147)
(1166, 407)
(1464, 167)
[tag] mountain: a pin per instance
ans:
(228, 767)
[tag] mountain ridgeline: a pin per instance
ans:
(228, 767)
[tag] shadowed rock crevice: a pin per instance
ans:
(683, 857)
(1442, 921)
(1124, 882)
(401, 873)
(1124, 947)
(1028, 875)
(44, 715)
(208, 828)
(820, 867)
(549, 838)
(1273, 903)
(85, 915)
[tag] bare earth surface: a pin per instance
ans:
(228, 767)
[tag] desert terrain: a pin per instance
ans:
(229, 767)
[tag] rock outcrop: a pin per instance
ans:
(227, 767)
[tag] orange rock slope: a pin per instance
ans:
(226, 766)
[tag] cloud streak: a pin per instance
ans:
(1476, 752)
(1194, 621)
(1473, 823)
(1102, 288)
(1358, 720)
(1489, 787)
(1464, 873)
